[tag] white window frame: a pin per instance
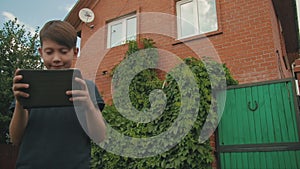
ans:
(123, 21)
(197, 30)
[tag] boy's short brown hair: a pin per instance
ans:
(60, 32)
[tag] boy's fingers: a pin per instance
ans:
(78, 98)
(16, 72)
(17, 78)
(18, 86)
(19, 94)
(82, 83)
(75, 93)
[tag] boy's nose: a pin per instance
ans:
(56, 58)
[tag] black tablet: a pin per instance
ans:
(47, 88)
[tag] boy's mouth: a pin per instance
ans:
(57, 67)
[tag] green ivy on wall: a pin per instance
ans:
(189, 152)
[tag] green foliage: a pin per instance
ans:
(189, 152)
(18, 49)
(134, 63)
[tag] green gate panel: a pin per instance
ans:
(259, 114)
(259, 127)
(261, 160)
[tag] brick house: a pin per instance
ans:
(257, 39)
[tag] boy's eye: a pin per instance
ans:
(49, 52)
(64, 51)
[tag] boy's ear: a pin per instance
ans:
(40, 51)
(76, 50)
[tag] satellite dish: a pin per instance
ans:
(86, 15)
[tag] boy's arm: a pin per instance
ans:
(20, 116)
(95, 124)
(90, 116)
(18, 123)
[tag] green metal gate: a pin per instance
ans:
(259, 128)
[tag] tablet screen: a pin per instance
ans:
(47, 88)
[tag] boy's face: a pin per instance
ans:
(56, 56)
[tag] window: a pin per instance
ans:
(196, 17)
(121, 30)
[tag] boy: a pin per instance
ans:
(53, 137)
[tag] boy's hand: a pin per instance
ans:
(17, 86)
(80, 96)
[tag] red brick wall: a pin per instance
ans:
(247, 41)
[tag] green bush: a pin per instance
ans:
(189, 152)
(18, 49)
